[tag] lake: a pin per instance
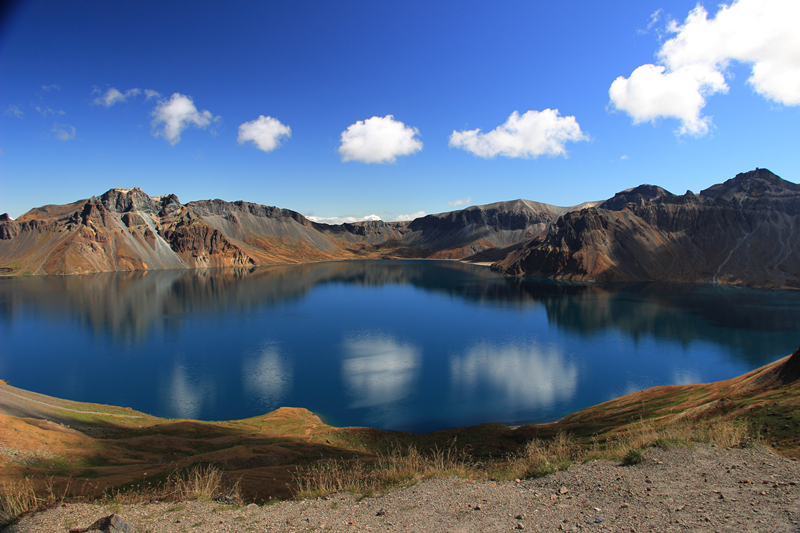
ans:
(399, 345)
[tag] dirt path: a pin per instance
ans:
(704, 488)
(14, 404)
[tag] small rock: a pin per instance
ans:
(519, 517)
(624, 506)
(381, 512)
(598, 520)
(252, 506)
(563, 490)
(108, 524)
(520, 526)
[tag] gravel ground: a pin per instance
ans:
(704, 488)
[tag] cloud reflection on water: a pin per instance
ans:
(377, 369)
(187, 396)
(267, 376)
(514, 376)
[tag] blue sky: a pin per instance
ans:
(393, 109)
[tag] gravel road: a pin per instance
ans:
(702, 488)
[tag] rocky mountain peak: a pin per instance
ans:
(757, 189)
(638, 195)
(135, 199)
(760, 182)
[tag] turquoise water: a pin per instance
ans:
(404, 345)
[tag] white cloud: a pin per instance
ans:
(692, 65)
(113, 96)
(650, 93)
(265, 132)
(149, 93)
(44, 111)
(13, 111)
(344, 219)
(64, 132)
(53, 87)
(378, 140)
(406, 218)
(177, 114)
(465, 201)
(533, 134)
(624, 158)
(655, 18)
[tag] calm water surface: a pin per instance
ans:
(407, 345)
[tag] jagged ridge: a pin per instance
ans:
(743, 231)
(125, 229)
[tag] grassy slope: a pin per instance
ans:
(96, 447)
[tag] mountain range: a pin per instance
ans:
(743, 232)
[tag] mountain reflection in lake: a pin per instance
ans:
(412, 345)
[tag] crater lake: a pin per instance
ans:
(400, 345)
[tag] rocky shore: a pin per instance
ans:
(697, 488)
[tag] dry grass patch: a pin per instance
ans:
(20, 497)
(397, 467)
(540, 457)
(17, 498)
(628, 445)
(536, 458)
(199, 483)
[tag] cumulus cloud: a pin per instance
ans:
(265, 132)
(344, 219)
(171, 117)
(113, 96)
(13, 111)
(465, 201)
(63, 132)
(378, 140)
(528, 136)
(651, 93)
(409, 217)
(693, 64)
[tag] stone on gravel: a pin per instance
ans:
(109, 524)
